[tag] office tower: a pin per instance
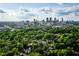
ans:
(27, 22)
(62, 19)
(43, 20)
(57, 20)
(34, 20)
(50, 19)
(54, 19)
(47, 19)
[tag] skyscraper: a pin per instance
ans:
(50, 19)
(47, 19)
(62, 19)
(34, 20)
(54, 19)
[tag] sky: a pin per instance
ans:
(38, 11)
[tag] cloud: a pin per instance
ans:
(72, 13)
(28, 16)
(2, 11)
(73, 9)
(39, 13)
(60, 3)
(18, 15)
(51, 11)
(45, 10)
(23, 9)
(71, 16)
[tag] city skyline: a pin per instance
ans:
(39, 11)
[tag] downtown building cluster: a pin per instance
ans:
(49, 21)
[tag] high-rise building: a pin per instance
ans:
(57, 20)
(54, 19)
(27, 22)
(47, 19)
(34, 20)
(62, 19)
(43, 20)
(50, 19)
